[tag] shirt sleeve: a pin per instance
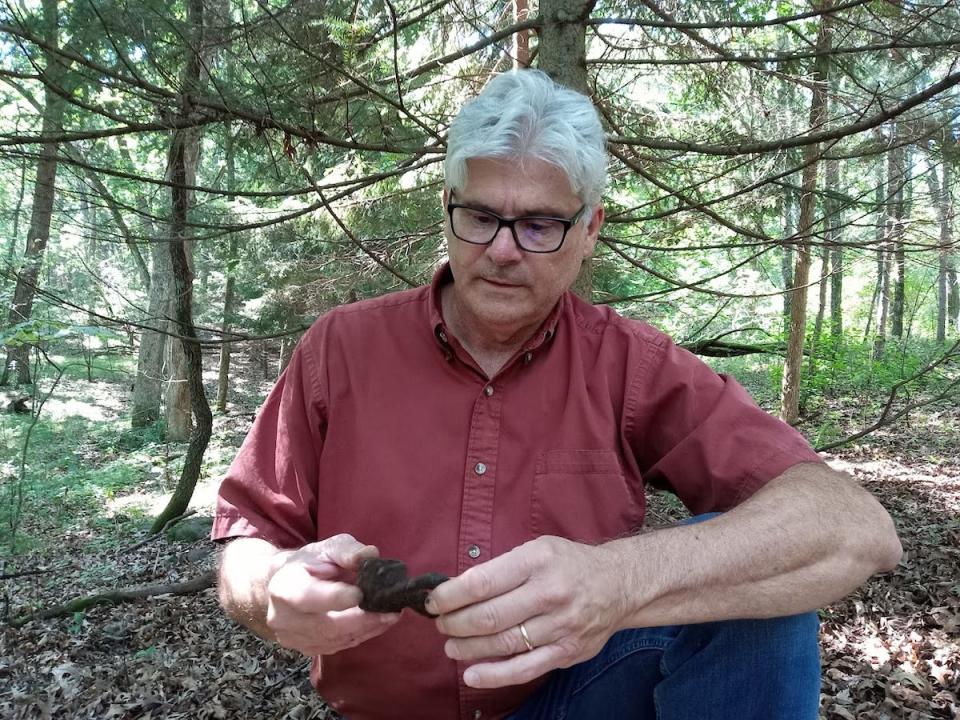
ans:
(270, 490)
(701, 435)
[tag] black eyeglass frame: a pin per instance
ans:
(510, 223)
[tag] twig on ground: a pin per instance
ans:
(153, 536)
(187, 587)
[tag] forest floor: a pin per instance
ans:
(890, 650)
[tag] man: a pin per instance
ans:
(495, 428)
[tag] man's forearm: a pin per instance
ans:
(808, 538)
(246, 566)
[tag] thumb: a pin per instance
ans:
(346, 552)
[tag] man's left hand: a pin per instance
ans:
(569, 597)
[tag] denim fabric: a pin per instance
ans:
(732, 670)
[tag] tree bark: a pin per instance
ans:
(521, 40)
(898, 231)
(940, 192)
(223, 374)
(821, 301)
(792, 368)
(835, 244)
(148, 386)
(885, 251)
(183, 149)
(44, 194)
(15, 231)
(562, 54)
(786, 257)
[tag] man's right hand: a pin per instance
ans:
(304, 599)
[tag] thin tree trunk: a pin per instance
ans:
(18, 208)
(878, 243)
(786, 258)
(562, 54)
(885, 252)
(183, 150)
(821, 303)
(521, 40)
(44, 194)
(148, 385)
(834, 242)
(898, 307)
(223, 374)
(940, 192)
(790, 390)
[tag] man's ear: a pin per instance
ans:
(593, 231)
(445, 196)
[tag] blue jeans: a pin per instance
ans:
(732, 670)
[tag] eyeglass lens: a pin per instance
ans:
(478, 226)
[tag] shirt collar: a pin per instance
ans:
(441, 332)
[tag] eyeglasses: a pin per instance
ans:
(532, 233)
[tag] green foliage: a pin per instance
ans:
(73, 466)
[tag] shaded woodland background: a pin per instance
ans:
(186, 185)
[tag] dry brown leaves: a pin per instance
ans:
(892, 650)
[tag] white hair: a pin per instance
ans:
(525, 114)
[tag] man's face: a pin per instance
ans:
(500, 290)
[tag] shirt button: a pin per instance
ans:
(477, 715)
(473, 551)
(488, 391)
(479, 468)
(528, 357)
(443, 336)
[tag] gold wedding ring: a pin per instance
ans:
(526, 638)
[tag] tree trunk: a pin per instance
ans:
(878, 194)
(185, 158)
(885, 251)
(521, 40)
(821, 302)
(834, 243)
(899, 255)
(183, 278)
(790, 390)
(15, 231)
(44, 193)
(786, 258)
(562, 54)
(223, 374)
(184, 148)
(148, 386)
(940, 192)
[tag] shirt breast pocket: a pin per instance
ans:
(584, 496)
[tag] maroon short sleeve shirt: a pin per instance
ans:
(383, 427)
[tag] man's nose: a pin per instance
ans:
(503, 248)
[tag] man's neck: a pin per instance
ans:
(490, 347)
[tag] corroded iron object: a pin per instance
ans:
(386, 587)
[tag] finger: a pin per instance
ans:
(327, 633)
(344, 550)
(516, 670)
(349, 628)
(297, 587)
(489, 617)
(506, 643)
(492, 578)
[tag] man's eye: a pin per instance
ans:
(479, 218)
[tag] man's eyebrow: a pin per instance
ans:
(480, 205)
